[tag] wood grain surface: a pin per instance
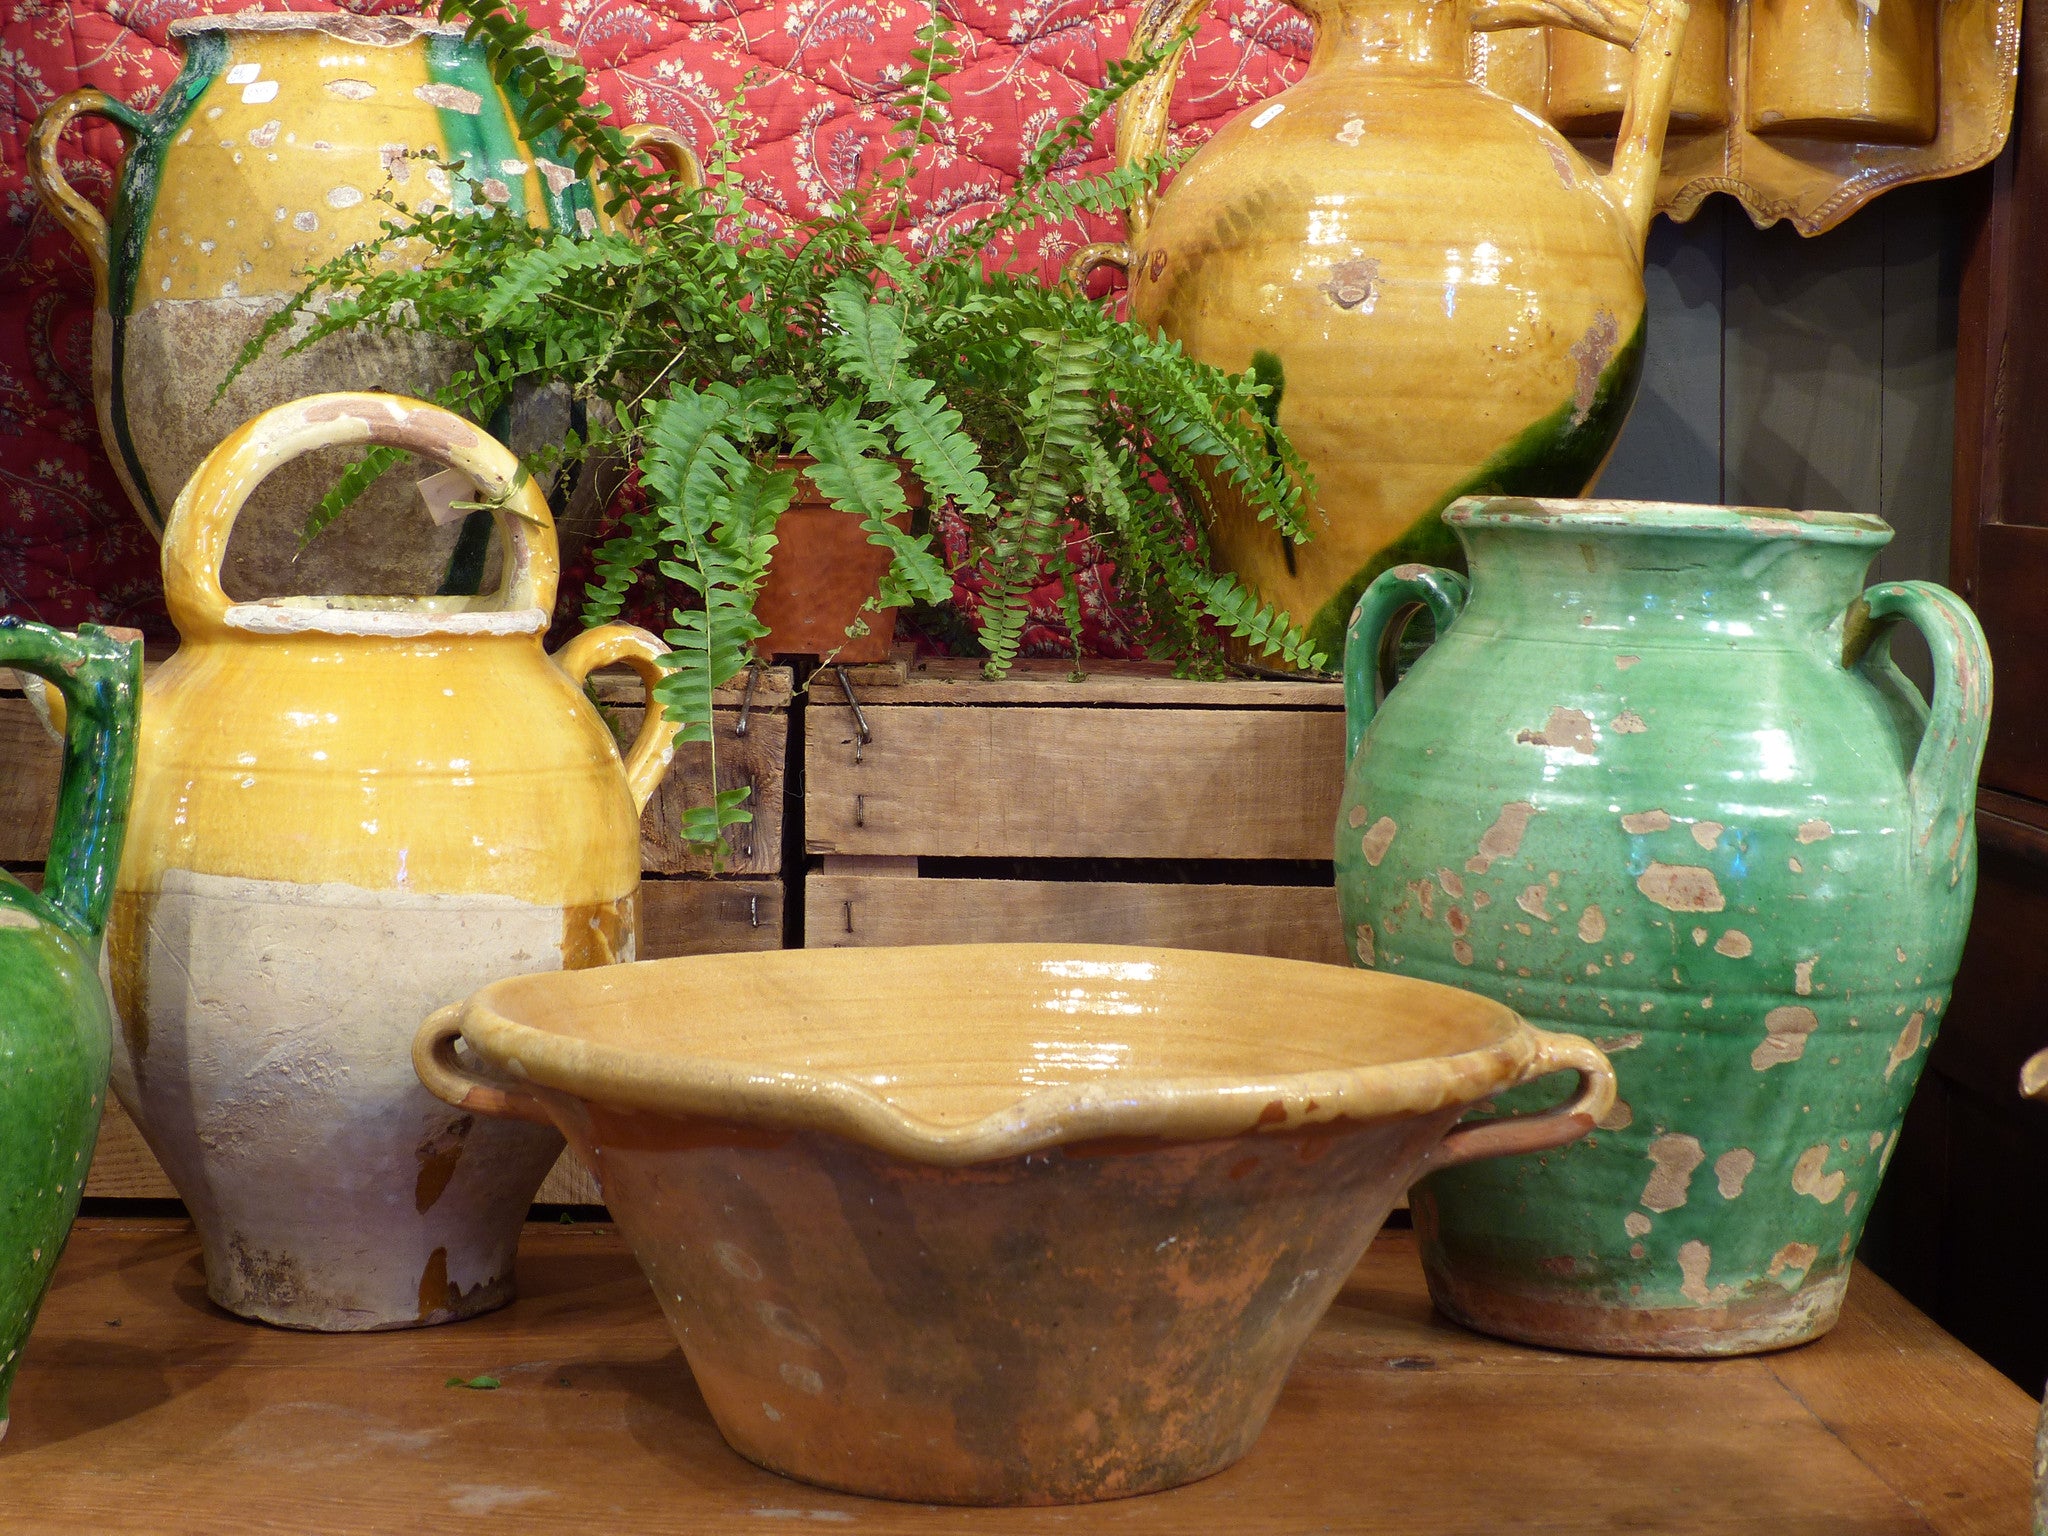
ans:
(140, 1408)
(1294, 922)
(1073, 782)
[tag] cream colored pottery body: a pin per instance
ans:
(1443, 294)
(1000, 1224)
(264, 159)
(346, 815)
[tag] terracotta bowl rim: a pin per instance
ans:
(775, 1096)
(1666, 519)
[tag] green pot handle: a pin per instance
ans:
(1393, 595)
(1943, 782)
(99, 674)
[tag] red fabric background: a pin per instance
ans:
(71, 547)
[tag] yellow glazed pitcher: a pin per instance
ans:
(1444, 296)
(350, 812)
(271, 153)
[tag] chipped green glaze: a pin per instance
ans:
(1658, 782)
(55, 1034)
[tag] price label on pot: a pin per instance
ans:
(440, 493)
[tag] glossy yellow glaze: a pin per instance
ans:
(436, 749)
(956, 1054)
(1446, 293)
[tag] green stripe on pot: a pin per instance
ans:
(1556, 456)
(484, 138)
(206, 53)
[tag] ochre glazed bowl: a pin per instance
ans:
(999, 1224)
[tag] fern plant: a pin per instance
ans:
(716, 351)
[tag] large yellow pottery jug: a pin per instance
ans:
(264, 158)
(1444, 295)
(349, 812)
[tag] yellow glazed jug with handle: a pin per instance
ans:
(1444, 296)
(349, 812)
(272, 152)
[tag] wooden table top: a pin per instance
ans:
(142, 1408)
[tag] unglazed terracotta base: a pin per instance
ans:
(999, 1224)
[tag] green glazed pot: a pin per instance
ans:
(55, 1034)
(1659, 782)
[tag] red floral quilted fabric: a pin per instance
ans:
(815, 73)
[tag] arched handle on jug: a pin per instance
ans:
(1559, 1126)
(673, 152)
(1142, 119)
(441, 1070)
(1393, 595)
(46, 173)
(1650, 29)
(97, 673)
(1943, 781)
(655, 747)
(196, 537)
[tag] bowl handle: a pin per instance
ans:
(1555, 1127)
(434, 1058)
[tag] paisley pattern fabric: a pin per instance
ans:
(813, 76)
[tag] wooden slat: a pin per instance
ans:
(1393, 1422)
(707, 917)
(754, 761)
(942, 680)
(1297, 922)
(30, 761)
(1074, 783)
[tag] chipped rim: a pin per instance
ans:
(1666, 519)
(370, 31)
(777, 1096)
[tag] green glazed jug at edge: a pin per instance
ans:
(55, 1031)
(1658, 781)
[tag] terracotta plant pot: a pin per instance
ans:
(999, 1224)
(1659, 781)
(54, 1026)
(820, 578)
(264, 159)
(348, 812)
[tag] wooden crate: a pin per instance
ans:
(1127, 807)
(684, 908)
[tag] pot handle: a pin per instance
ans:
(1393, 595)
(441, 1070)
(98, 676)
(1943, 780)
(669, 148)
(2034, 1076)
(1142, 124)
(1650, 29)
(655, 747)
(46, 174)
(196, 537)
(1556, 1127)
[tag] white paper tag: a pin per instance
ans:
(439, 493)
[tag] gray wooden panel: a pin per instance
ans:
(1803, 351)
(1671, 448)
(1922, 227)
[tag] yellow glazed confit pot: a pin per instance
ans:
(348, 812)
(274, 150)
(1007, 1223)
(1442, 294)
